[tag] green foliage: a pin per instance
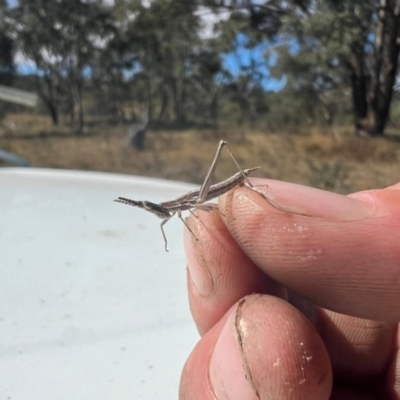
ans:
(7, 67)
(346, 45)
(62, 38)
(120, 59)
(286, 111)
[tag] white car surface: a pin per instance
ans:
(91, 306)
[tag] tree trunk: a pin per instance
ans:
(387, 56)
(49, 98)
(179, 97)
(358, 81)
(179, 102)
(164, 104)
(81, 115)
(71, 108)
(53, 113)
(76, 90)
(149, 98)
(372, 91)
(214, 109)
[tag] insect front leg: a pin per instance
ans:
(163, 222)
(208, 207)
(187, 226)
(204, 207)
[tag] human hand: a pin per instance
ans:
(327, 304)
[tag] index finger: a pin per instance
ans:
(340, 252)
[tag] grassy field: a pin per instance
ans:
(334, 160)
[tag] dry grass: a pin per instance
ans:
(335, 161)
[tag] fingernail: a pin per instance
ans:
(304, 200)
(227, 376)
(197, 265)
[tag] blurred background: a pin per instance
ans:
(308, 90)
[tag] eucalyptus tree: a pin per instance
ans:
(61, 38)
(166, 40)
(247, 28)
(7, 47)
(328, 47)
(349, 48)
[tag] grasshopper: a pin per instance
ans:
(195, 199)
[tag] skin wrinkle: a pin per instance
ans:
(396, 370)
(365, 362)
(263, 223)
(260, 223)
(240, 337)
(211, 232)
(219, 238)
(199, 250)
(210, 235)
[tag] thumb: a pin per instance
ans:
(262, 349)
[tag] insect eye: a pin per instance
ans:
(147, 204)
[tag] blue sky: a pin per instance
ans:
(235, 62)
(243, 56)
